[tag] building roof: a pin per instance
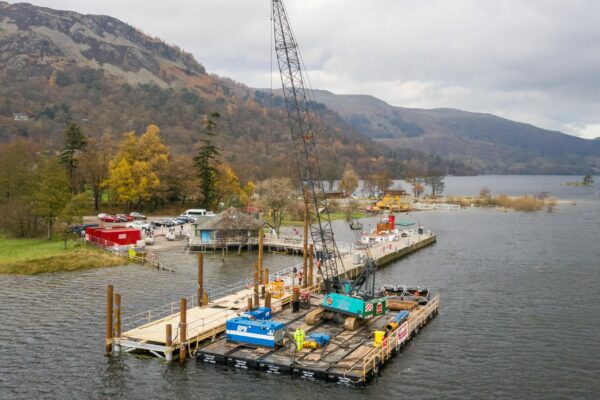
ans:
(232, 218)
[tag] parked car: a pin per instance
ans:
(138, 225)
(81, 228)
(107, 218)
(136, 215)
(186, 218)
(124, 218)
(168, 222)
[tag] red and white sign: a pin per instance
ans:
(379, 308)
(368, 307)
(402, 332)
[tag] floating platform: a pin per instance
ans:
(350, 358)
(145, 331)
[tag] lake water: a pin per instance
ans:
(519, 317)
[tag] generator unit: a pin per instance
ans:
(255, 332)
(261, 313)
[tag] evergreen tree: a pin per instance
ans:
(74, 141)
(206, 159)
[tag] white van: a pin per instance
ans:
(198, 212)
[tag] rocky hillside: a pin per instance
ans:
(61, 66)
(485, 142)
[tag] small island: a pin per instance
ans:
(586, 181)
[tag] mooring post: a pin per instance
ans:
(116, 346)
(169, 342)
(311, 265)
(200, 280)
(261, 239)
(268, 299)
(249, 307)
(266, 276)
(305, 247)
(256, 295)
(182, 329)
(109, 319)
(205, 298)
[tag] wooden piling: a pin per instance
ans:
(261, 238)
(310, 265)
(205, 299)
(169, 342)
(268, 299)
(109, 318)
(201, 280)
(266, 276)
(182, 329)
(249, 306)
(117, 311)
(305, 247)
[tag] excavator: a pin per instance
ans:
(357, 300)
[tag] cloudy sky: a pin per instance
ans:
(536, 61)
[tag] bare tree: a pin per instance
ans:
(277, 195)
(349, 181)
(435, 180)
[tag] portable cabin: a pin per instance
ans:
(115, 236)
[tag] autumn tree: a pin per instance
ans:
(181, 179)
(350, 179)
(133, 176)
(276, 195)
(227, 187)
(72, 214)
(94, 164)
(51, 192)
(74, 143)
(206, 161)
(17, 165)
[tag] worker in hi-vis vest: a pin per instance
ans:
(299, 338)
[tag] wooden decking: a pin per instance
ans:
(146, 330)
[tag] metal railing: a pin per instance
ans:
(123, 250)
(142, 318)
(393, 341)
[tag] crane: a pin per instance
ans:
(340, 297)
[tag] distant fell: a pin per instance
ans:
(486, 142)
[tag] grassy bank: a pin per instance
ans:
(335, 216)
(37, 256)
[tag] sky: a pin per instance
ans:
(534, 61)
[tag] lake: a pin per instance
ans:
(519, 316)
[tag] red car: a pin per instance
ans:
(107, 218)
(124, 218)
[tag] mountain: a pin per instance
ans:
(485, 142)
(58, 67)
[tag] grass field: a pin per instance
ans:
(36, 256)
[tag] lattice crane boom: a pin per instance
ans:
(305, 146)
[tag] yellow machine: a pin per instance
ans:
(391, 203)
